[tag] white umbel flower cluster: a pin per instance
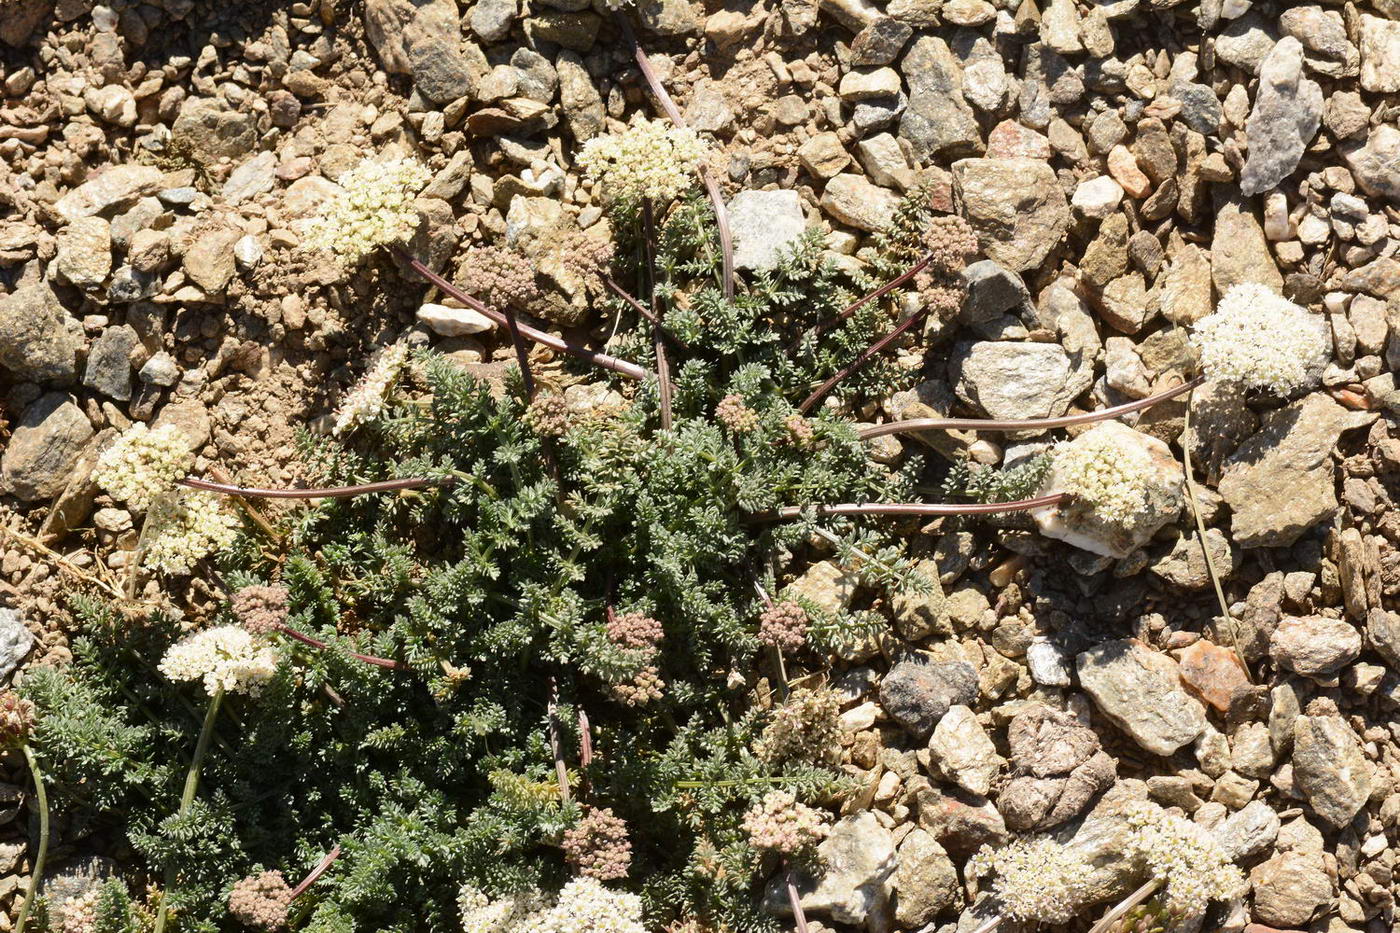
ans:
(366, 400)
(651, 159)
(1257, 339)
(375, 209)
(142, 464)
(1106, 474)
(186, 528)
(1038, 880)
(226, 658)
(584, 906)
(1186, 858)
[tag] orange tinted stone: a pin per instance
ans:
(1212, 673)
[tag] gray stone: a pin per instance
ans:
(961, 752)
(440, 71)
(850, 881)
(1279, 482)
(1380, 54)
(1140, 691)
(577, 31)
(118, 186)
(393, 26)
(44, 448)
(884, 161)
(708, 110)
(15, 644)
(1248, 832)
(453, 322)
(255, 176)
(854, 201)
(880, 43)
(765, 225)
(39, 342)
(1314, 646)
(109, 362)
(1048, 664)
(925, 882)
(918, 615)
(160, 370)
(1016, 206)
(918, 693)
(209, 262)
(1246, 42)
(84, 256)
(1009, 379)
(1239, 253)
(937, 121)
(583, 106)
(1200, 108)
(1330, 768)
(207, 131)
(1326, 48)
(1376, 162)
(1287, 112)
(1045, 742)
(992, 291)
(1290, 888)
(491, 19)
(1033, 803)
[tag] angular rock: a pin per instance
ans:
(440, 71)
(1008, 379)
(491, 19)
(394, 25)
(1314, 646)
(209, 131)
(765, 224)
(1213, 672)
(828, 587)
(937, 121)
(453, 322)
(925, 882)
(1140, 691)
(1185, 285)
(824, 155)
(918, 615)
(45, 446)
(1239, 253)
(209, 262)
(1326, 48)
(39, 342)
(1016, 206)
(853, 881)
(854, 201)
(1279, 482)
(1376, 162)
(1380, 54)
(16, 642)
(1037, 804)
(117, 186)
(109, 362)
(1290, 888)
(960, 750)
(918, 693)
(256, 176)
(583, 105)
(84, 256)
(1330, 768)
(1287, 112)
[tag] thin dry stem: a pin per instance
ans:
(878, 293)
(866, 356)
(316, 873)
(911, 508)
(325, 492)
(318, 643)
(1026, 424)
(603, 360)
(1131, 901)
(663, 365)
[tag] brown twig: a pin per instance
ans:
(653, 80)
(61, 562)
(859, 303)
(866, 356)
(522, 353)
(910, 508)
(317, 643)
(1026, 424)
(556, 744)
(642, 309)
(663, 366)
(316, 873)
(621, 367)
(249, 509)
(328, 492)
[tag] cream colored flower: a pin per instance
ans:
(650, 159)
(1107, 474)
(225, 658)
(374, 209)
(1260, 340)
(142, 464)
(187, 528)
(1187, 859)
(1038, 880)
(366, 401)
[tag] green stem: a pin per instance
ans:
(201, 747)
(1186, 441)
(38, 873)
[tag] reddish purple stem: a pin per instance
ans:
(912, 508)
(316, 873)
(317, 643)
(326, 492)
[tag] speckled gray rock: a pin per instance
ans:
(764, 224)
(1287, 112)
(84, 256)
(918, 693)
(961, 752)
(1140, 691)
(1314, 646)
(109, 362)
(15, 643)
(925, 882)
(44, 448)
(853, 883)
(1011, 379)
(937, 121)
(1016, 206)
(1376, 162)
(1330, 768)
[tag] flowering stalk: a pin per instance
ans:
(522, 353)
(869, 353)
(621, 367)
(641, 309)
(1132, 900)
(1026, 424)
(328, 492)
(859, 303)
(37, 875)
(317, 643)
(911, 508)
(663, 366)
(201, 748)
(794, 899)
(316, 873)
(653, 80)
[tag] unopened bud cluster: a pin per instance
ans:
(779, 823)
(783, 625)
(645, 688)
(500, 277)
(261, 609)
(548, 416)
(261, 901)
(734, 414)
(598, 846)
(16, 719)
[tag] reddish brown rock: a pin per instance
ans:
(1212, 672)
